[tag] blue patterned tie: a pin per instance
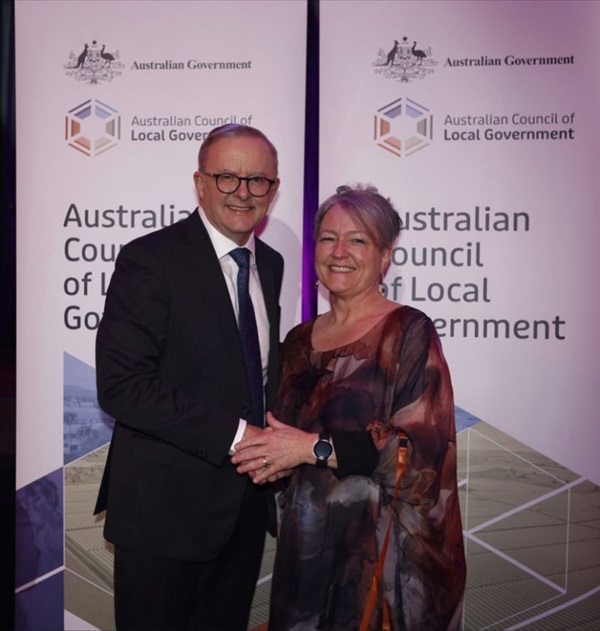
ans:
(249, 335)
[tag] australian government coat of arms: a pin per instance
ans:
(405, 61)
(94, 64)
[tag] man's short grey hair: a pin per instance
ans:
(233, 131)
(368, 208)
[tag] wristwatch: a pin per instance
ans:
(323, 450)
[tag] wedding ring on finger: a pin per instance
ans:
(265, 462)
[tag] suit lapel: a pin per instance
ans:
(267, 283)
(202, 258)
(270, 294)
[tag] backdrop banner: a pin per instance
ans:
(480, 121)
(113, 101)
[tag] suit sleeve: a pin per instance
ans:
(134, 336)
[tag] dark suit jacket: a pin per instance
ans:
(170, 370)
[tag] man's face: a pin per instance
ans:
(236, 214)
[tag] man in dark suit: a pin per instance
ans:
(188, 530)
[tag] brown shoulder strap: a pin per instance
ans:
(374, 590)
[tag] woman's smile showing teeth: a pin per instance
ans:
(347, 260)
(340, 268)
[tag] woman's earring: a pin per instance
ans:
(317, 284)
(382, 287)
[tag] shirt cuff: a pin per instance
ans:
(238, 435)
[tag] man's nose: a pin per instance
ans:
(242, 191)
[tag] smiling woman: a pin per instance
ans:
(361, 386)
(355, 230)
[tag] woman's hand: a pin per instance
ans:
(275, 452)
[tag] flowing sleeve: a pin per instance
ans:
(427, 547)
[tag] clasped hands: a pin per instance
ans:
(270, 454)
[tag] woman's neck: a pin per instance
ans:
(345, 311)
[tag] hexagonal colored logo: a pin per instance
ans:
(93, 127)
(403, 127)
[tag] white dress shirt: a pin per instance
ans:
(223, 246)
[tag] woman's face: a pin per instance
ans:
(347, 261)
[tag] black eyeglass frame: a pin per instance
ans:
(240, 180)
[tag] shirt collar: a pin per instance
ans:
(222, 244)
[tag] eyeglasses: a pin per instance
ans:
(258, 186)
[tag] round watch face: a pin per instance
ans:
(323, 449)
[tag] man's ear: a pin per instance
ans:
(200, 183)
(274, 190)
